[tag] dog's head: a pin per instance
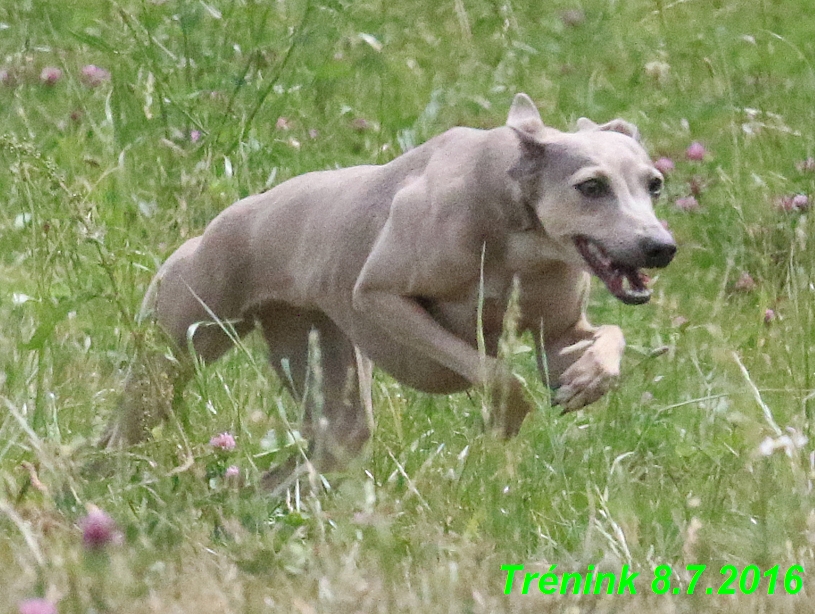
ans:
(593, 192)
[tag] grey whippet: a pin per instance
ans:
(401, 264)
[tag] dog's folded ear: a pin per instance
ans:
(526, 121)
(524, 116)
(615, 125)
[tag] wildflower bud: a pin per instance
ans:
(99, 530)
(232, 476)
(664, 165)
(232, 472)
(93, 76)
(696, 151)
(37, 606)
(50, 75)
(800, 202)
(224, 442)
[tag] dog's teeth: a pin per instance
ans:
(638, 292)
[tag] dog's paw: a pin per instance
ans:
(594, 373)
(584, 382)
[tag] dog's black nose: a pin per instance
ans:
(658, 253)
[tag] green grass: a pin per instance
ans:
(101, 184)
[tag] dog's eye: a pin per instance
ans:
(593, 188)
(655, 186)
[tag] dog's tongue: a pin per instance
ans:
(614, 282)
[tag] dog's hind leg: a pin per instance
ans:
(335, 420)
(181, 301)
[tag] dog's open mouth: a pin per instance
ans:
(614, 274)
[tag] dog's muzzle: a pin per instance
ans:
(624, 280)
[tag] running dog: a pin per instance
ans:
(407, 263)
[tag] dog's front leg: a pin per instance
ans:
(585, 363)
(383, 296)
(408, 323)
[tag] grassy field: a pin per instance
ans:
(127, 126)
